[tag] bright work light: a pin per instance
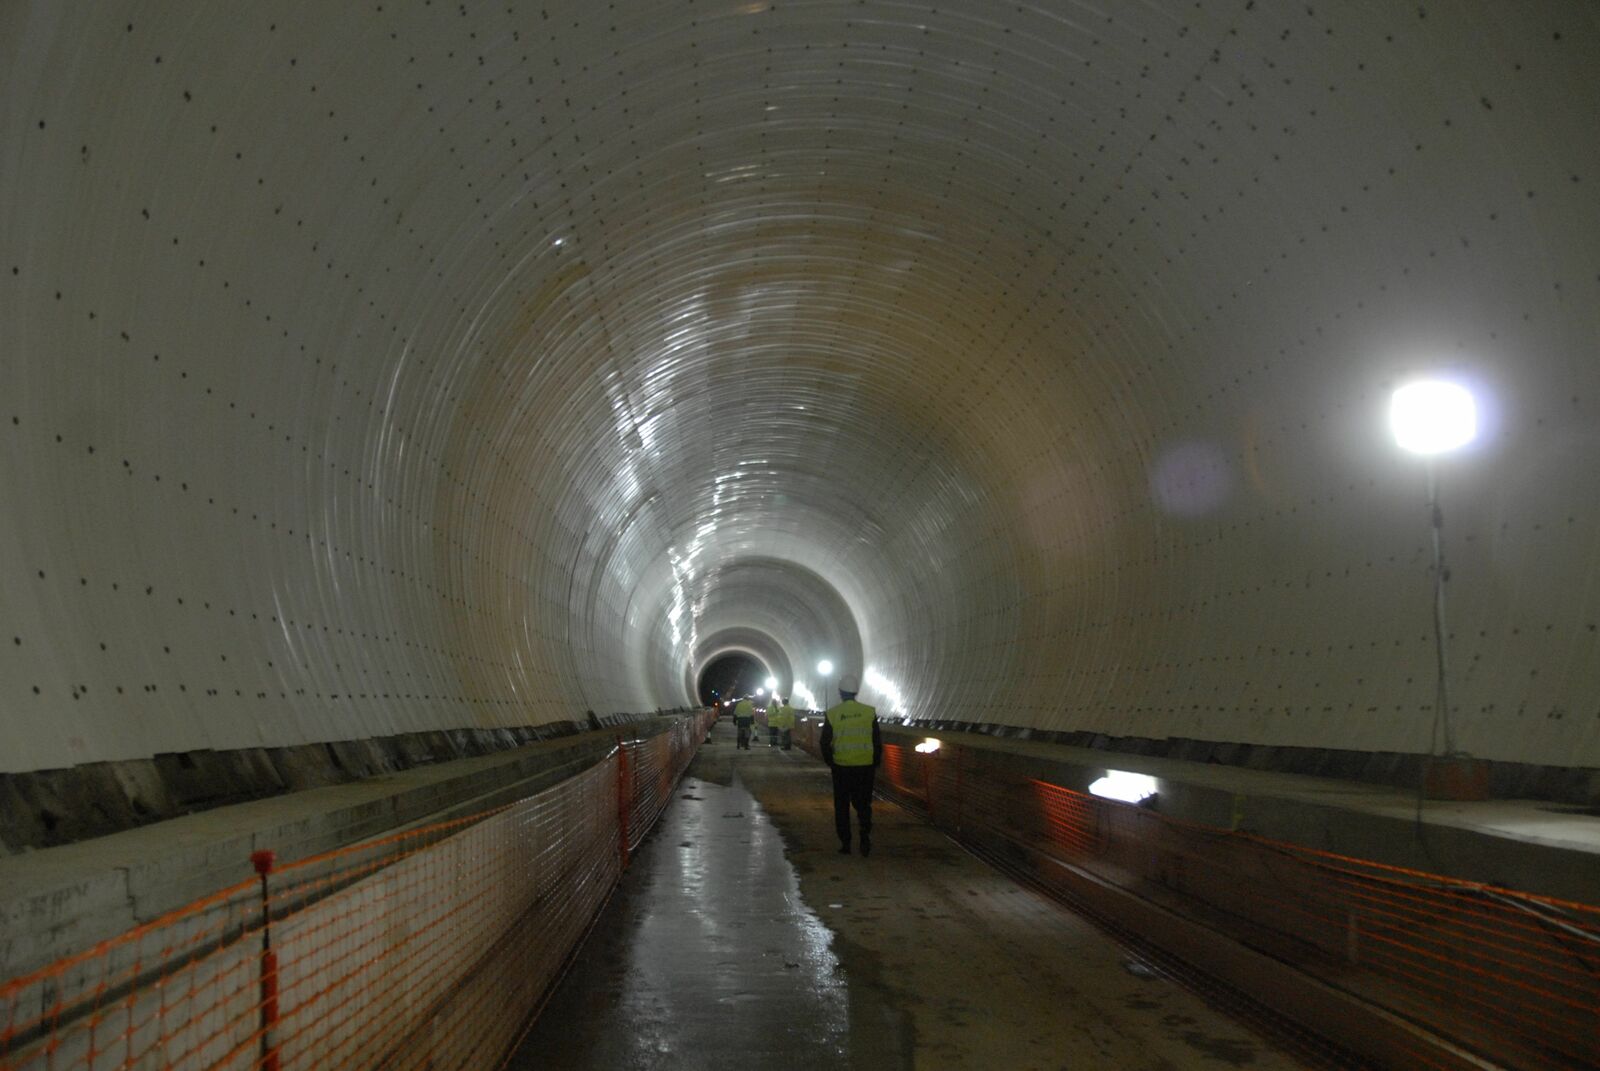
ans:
(1124, 786)
(772, 682)
(1433, 416)
(824, 667)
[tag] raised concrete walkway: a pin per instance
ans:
(55, 902)
(741, 939)
(1547, 848)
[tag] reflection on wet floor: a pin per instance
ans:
(707, 957)
(741, 939)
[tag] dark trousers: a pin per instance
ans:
(788, 738)
(744, 734)
(852, 787)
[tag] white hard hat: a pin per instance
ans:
(849, 683)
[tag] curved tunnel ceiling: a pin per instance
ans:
(750, 643)
(415, 366)
(788, 616)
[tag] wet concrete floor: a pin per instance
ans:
(740, 938)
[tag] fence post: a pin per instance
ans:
(622, 801)
(263, 861)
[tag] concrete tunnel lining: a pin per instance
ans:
(723, 652)
(410, 369)
(789, 617)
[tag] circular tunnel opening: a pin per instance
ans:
(730, 675)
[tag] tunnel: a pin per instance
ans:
(412, 387)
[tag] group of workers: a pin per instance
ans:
(780, 722)
(851, 745)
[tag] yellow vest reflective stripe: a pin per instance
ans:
(852, 733)
(745, 711)
(785, 717)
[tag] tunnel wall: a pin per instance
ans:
(389, 370)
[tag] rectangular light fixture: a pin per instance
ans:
(1125, 787)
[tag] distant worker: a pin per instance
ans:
(852, 747)
(782, 722)
(774, 718)
(744, 716)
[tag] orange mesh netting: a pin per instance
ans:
(1511, 975)
(429, 947)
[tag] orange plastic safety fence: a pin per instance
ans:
(427, 948)
(1512, 975)
(894, 770)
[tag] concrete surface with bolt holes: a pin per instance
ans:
(741, 939)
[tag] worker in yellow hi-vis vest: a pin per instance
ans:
(774, 718)
(852, 747)
(744, 717)
(781, 717)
